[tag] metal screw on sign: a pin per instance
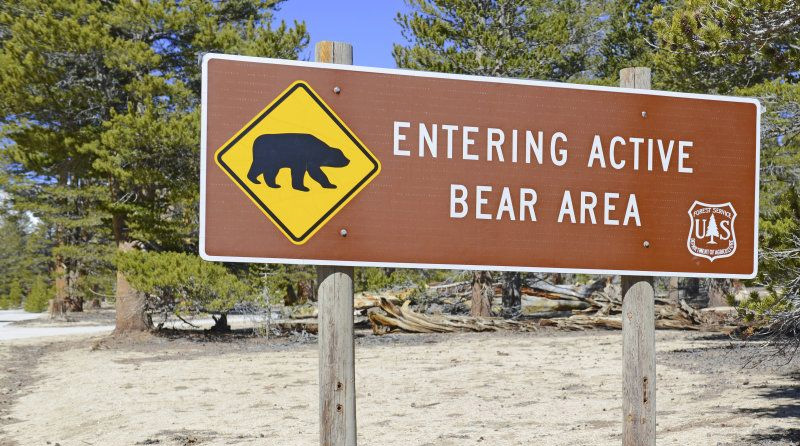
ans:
(337, 90)
(644, 114)
(343, 232)
(646, 244)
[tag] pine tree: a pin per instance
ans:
(24, 249)
(15, 295)
(711, 46)
(12, 243)
(629, 36)
(712, 230)
(540, 39)
(183, 283)
(71, 234)
(99, 102)
(40, 294)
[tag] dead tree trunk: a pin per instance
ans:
(673, 291)
(718, 291)
(512, 294)
(482, 294)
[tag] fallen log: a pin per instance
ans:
(563, 291)
(363, 301)
(583, 322)
(693, 314)
(448, 286)
(309, 325)
(388, 317)
(596, 305)
(533, 304)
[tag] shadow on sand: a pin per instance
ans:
(787, 406)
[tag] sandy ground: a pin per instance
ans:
(543, 388)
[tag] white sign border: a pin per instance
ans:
(263, 60)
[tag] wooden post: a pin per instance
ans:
(638, 333)
(337, 393)
(337, 373)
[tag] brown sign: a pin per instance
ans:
(330, 164)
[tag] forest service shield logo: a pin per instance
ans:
(711, 233)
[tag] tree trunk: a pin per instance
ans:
(131, 305)
(673, 291)
(305, 291)
(512, 294)
(290, 298)
(692, 286)
(73, 302)
(221, 324)
(57, 306)
(482, 294)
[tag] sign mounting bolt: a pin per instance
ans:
(337, 90)
(646, 244)
(343, 232)
(644, 114)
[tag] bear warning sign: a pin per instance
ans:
(342, 165)
(294, 136)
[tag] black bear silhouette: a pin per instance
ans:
(300, 152)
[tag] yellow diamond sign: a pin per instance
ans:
(298, 162)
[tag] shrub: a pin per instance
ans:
(288, 284)
(13, 299)
(183, 283)
(15, 295)
(38, 298)
(374, 279)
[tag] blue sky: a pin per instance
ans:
(366, 24)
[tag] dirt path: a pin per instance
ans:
(18, 375)
(432, 390)
(17, 324)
